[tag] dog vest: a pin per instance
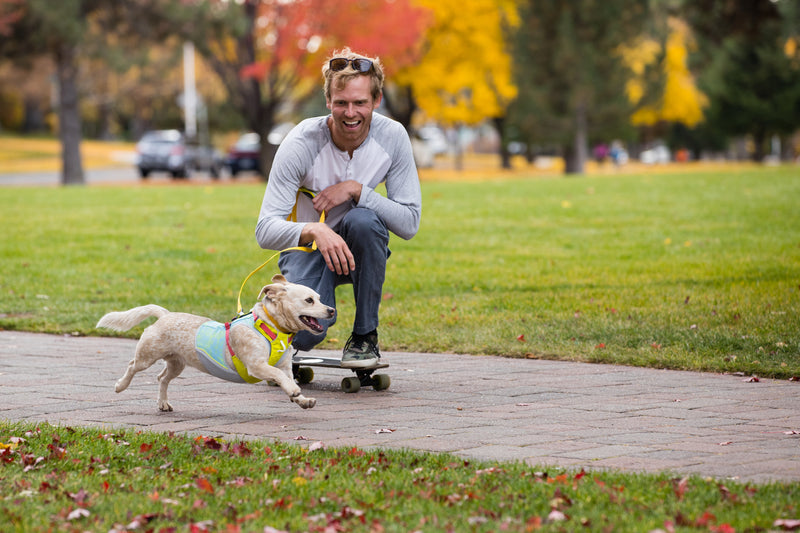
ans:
(213, 339)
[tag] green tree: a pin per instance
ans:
(751, 66)
(571, 75)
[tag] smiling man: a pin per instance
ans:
(332, 165)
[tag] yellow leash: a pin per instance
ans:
(292, 217)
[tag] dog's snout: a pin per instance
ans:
(331, 312)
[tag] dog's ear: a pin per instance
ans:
(271, 291)
(278, 278)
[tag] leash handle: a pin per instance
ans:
(292, 217)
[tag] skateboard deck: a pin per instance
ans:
(363, 376)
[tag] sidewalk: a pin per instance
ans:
(545, 413)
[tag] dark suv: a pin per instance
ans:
(169, 151)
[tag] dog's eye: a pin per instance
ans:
(309, 300)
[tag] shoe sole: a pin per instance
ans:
(367, 363)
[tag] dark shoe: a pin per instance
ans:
(361, 351)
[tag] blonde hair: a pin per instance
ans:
(340, 78)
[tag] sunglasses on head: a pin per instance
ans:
(359, 64)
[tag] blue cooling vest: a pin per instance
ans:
(212, 340)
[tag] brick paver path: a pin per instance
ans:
(547, 413)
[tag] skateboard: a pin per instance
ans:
(303, 373)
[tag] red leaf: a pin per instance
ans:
(752, 379)
(204, 485)
(521, 338)
(145, 447)
(600, 346)
(705, 520)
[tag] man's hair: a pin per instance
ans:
(340, 78)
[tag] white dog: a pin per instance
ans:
(249, 349)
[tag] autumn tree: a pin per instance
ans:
(268, 53)
(570, 72)
(661, 86)
(463, 75)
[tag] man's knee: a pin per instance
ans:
(363, 225)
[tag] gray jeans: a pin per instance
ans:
(368, 239)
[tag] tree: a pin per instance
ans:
(60, 30)
(464, 74)
(751, 66)
(268, 53)
(571, 73)
(679, 100)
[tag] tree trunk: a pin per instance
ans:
(505, 155)
(69, 118)
(576, 155)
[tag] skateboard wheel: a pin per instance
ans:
(381, 381)
(304, 375)
(351, 384)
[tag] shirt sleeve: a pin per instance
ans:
(273, 230)
(401, 209)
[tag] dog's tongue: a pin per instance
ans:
(311, 322)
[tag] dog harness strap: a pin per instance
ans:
(237, 363)
(279, 341)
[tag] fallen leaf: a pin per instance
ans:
(787, 524)
(752, 379)
(319, 445)
(301, 437)
(78, 513)
(204, 485)
(384, 430)
(726, 443)
(521, 338)
(522, 404)
(792, 432)
(600, 346)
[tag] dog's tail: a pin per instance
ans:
(125, 320)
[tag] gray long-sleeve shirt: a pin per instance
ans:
(308, 158)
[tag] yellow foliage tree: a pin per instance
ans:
(464, 75)
(681, 100)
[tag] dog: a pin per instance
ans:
(249, 349)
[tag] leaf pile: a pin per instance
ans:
(80, 479)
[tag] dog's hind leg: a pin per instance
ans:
(173, 369)
(143, 360)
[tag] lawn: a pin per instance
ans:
(82, 479)
(697, 269)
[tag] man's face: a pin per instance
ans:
(351, 113)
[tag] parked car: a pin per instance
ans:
(169, 151)
(244, 154)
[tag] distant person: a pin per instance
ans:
(333, 164)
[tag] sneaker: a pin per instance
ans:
(361, 351)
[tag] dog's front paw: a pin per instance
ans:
(305, 403)
(164, 406)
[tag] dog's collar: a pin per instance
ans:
(271, 319)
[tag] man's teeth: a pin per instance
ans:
(351, 123)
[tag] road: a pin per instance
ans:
(104, 176)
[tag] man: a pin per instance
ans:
(331, 165)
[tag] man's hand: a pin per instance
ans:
(337, 255)
(336, 195)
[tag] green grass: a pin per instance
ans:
(82, 479)
(694, 270)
